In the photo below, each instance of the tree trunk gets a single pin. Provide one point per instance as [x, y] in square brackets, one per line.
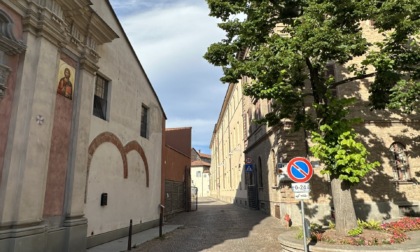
[345, 215]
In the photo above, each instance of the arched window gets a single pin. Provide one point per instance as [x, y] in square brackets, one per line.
[399, 160]
[8, 45]
[274, 163]
[260, 173]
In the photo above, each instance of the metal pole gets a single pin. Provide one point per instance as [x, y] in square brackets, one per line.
[161, 220]
[129, 235]
[305, 246]
[196, 202]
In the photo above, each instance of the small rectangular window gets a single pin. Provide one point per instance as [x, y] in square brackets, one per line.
[144, 118]
[400, 162]
[330, 72]
[100, 100]
[198, 174]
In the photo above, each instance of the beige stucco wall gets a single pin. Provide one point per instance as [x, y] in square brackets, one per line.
[227, 181]
[202, 182]
[128, 198]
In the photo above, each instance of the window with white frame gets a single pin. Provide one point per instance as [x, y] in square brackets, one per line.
[100, 99]
[399, 160]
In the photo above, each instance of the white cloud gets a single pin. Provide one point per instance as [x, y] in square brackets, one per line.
[170, 38]
[177, 35]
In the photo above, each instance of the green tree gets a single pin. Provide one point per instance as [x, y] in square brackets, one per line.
[313, 34]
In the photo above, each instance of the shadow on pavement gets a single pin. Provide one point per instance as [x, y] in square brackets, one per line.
[218, 226]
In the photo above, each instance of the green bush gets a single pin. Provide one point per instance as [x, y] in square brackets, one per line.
[370, 224]
[331, 225]
[397, 230]
[315, 226]
[300, 233]
[355, 231]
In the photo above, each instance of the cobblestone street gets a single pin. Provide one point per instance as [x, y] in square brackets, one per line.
[217, 226]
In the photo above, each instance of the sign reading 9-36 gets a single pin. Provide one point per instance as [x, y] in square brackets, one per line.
[300, 170]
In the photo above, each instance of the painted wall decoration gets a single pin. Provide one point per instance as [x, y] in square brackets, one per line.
[65, 80]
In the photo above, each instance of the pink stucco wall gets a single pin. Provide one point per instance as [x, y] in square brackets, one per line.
[6, 103]
[59, 152]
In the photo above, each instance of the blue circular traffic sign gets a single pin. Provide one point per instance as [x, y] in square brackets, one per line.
[300, 170]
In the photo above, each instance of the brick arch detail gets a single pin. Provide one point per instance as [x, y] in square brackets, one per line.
[108, 137]
[135, 146]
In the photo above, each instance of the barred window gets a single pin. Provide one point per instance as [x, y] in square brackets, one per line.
[144, 119]
[260, 173]
[330, 72]
[100, 100]
[399, 161]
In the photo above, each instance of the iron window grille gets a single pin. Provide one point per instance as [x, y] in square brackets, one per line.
[144, 121]
[399, 161]
[100, 100]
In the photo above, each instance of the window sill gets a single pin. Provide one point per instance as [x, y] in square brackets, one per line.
[404, 182]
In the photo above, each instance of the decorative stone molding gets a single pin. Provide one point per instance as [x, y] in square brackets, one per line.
[88, 65]
[68, 24]
[52, 6]
[8, 43]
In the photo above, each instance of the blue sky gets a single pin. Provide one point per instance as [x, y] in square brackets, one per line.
[170, 38]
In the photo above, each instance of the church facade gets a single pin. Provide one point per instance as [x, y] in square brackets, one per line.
[80, 128]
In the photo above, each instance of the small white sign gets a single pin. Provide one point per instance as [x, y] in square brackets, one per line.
[302, 195]
[301, 187]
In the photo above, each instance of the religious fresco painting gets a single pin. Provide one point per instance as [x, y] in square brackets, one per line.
[65, 80]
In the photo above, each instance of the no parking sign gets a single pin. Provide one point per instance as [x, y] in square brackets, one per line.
[300, 170]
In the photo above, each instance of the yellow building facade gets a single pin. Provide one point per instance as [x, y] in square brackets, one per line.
[390, 191]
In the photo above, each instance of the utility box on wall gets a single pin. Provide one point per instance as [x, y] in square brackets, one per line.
[104, 199]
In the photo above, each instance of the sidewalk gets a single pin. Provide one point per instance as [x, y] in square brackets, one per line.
[137, 239]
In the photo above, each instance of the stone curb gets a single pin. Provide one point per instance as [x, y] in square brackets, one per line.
[289, 243]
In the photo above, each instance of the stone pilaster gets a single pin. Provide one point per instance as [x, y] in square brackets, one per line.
[27, 151]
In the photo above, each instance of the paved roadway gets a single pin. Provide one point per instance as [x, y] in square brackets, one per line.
[217, 226]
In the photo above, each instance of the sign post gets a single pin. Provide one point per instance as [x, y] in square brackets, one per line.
[300, 171]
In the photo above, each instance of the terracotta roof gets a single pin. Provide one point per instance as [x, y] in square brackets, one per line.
[204, 155]
[181, 128]
[199, 163]
[201, 154]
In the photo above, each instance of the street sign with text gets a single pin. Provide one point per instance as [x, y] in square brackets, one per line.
[302, 195]
[301, 187]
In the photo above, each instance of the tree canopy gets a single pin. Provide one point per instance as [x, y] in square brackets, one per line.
[286, 46]
[290, 42]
